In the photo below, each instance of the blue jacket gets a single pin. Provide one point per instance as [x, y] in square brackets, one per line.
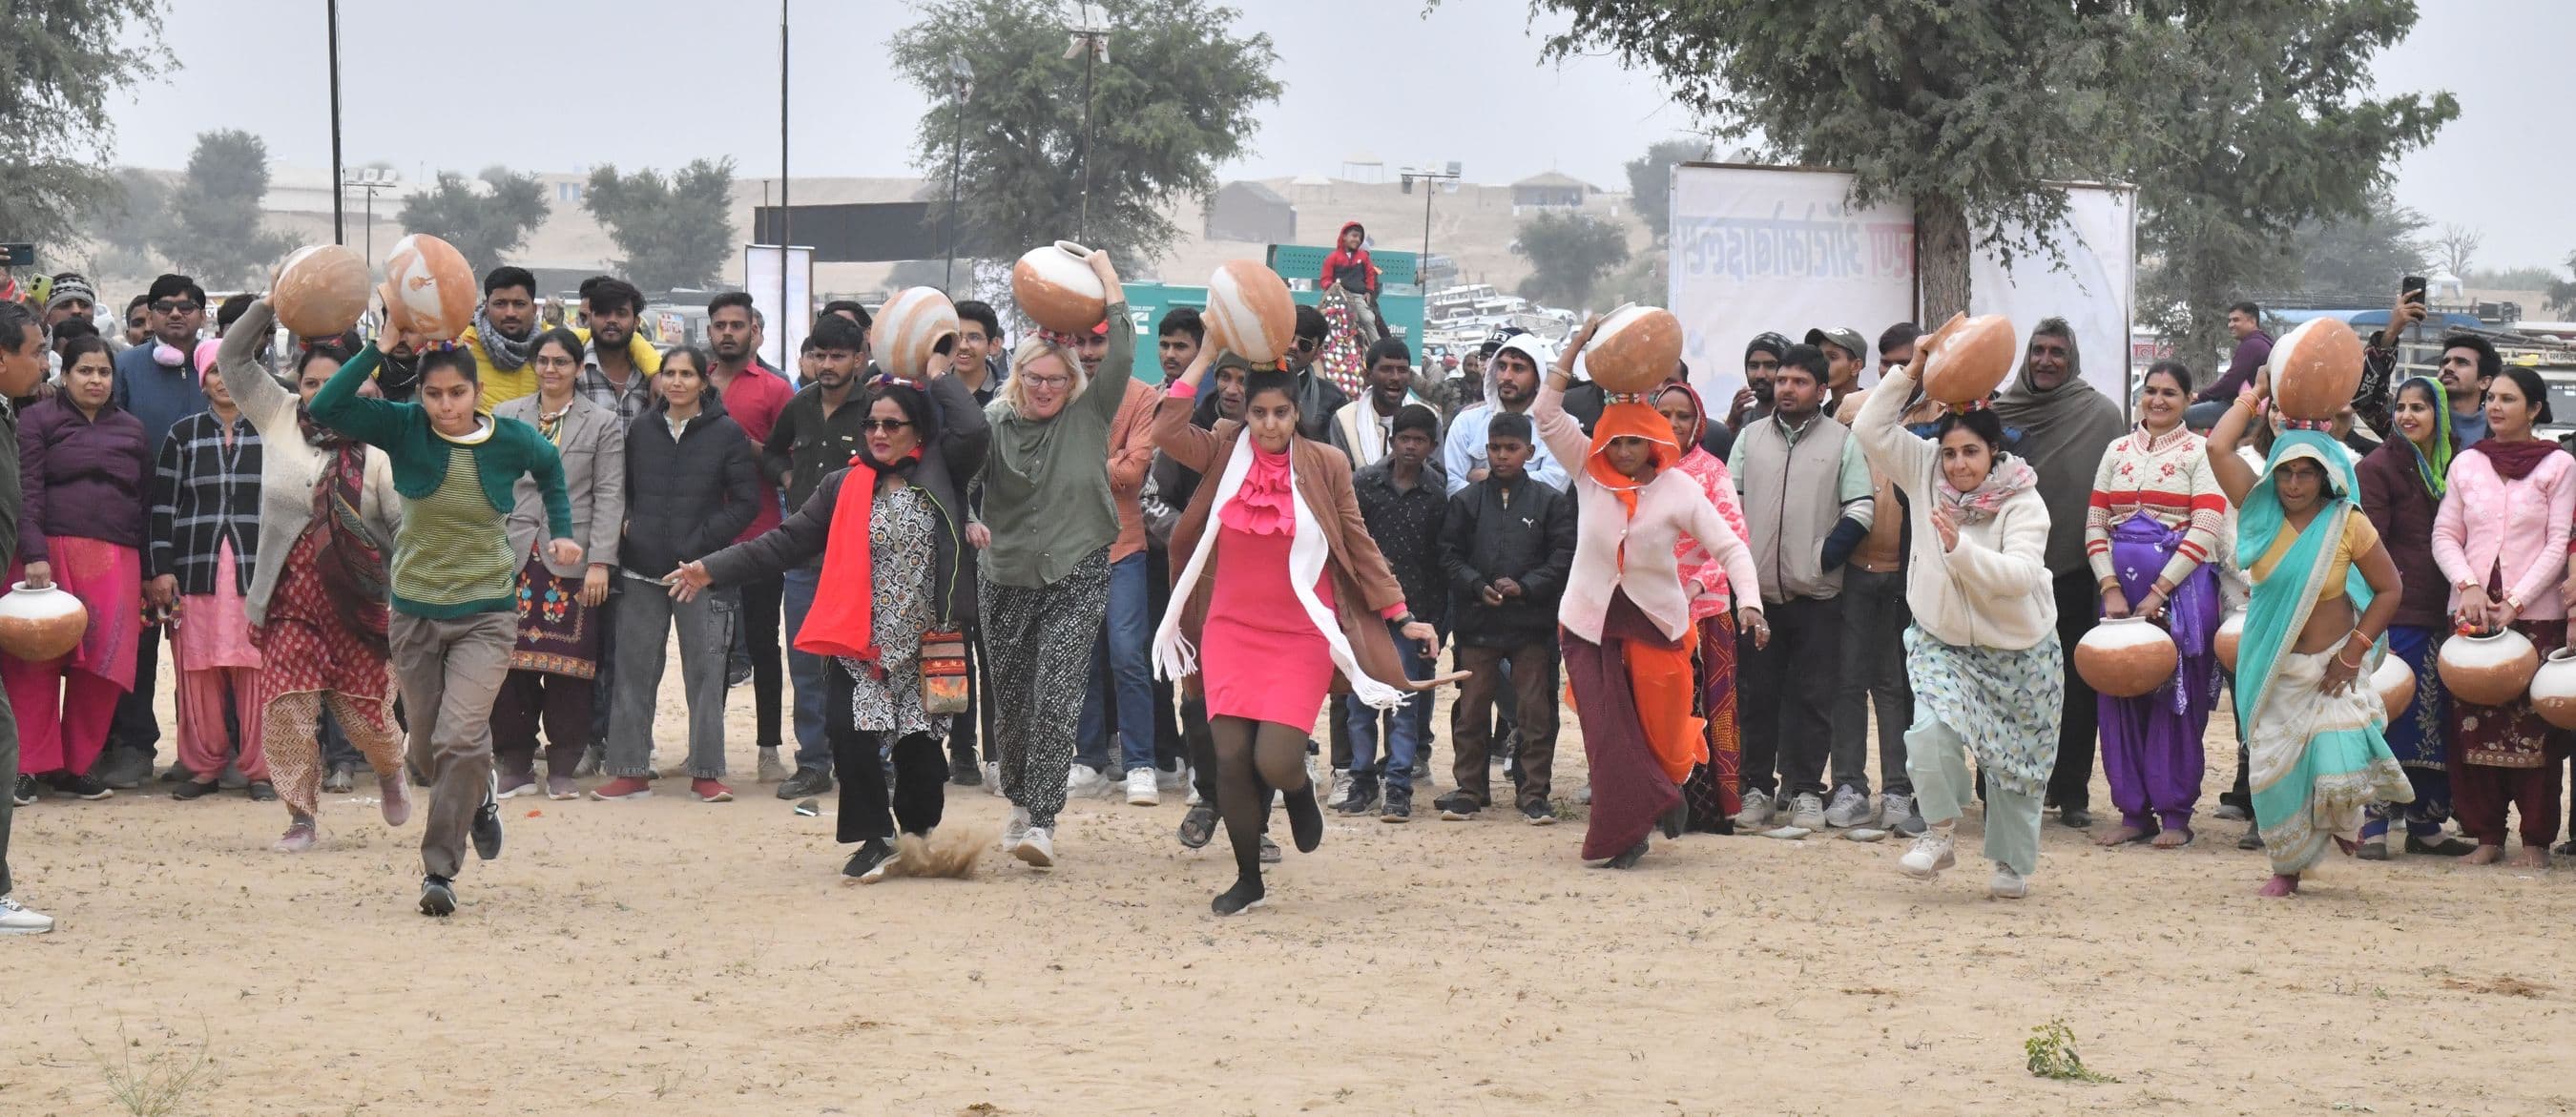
[157, 397]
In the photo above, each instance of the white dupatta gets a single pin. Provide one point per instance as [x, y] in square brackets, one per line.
[1174, 658]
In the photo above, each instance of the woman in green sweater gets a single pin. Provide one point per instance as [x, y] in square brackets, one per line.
[454, 579]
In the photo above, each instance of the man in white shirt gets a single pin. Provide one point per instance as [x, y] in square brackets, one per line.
[1368, 425]
[1511, 384]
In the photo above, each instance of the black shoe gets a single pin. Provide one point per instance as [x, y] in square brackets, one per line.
[1363, 794]
[2566, 848]
[2452, 845]
[190, 791]
[2253, 838]
[2075, 818]
[1305, 820]
[1422, 768]
[1198, 826]
[867, 865]
[1398, 807]
[737, 673]
[486, 830]
[342, 780]
[1246, 895]
[1269, 851]
[262, 791]
[26, 792]
[962, 769]
[1628, 859]
[437, 896]
[1675, 819]
[123, 769]
[1457, 806]
[1539, 814]
[79, 785]
[805, 784]
[177, 773]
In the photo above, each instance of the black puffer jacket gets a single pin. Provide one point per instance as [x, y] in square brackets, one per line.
[1523, 531]
[688, 496]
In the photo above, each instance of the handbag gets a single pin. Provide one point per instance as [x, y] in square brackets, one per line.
[943, 671]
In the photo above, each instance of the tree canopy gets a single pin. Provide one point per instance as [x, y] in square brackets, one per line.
[2359, 260]
[1650, 181]
[1177, 99]
[484, 224]
[1569, 252]
[218, 232]
[676, 230]
[61, 63]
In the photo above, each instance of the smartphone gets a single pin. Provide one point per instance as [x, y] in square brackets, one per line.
[2412, 288]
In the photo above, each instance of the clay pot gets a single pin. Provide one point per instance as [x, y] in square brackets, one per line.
[2315, 369]
[41, 624]
[1057, 289]
[2395, 684]
[914, 331]
[1636, 348]
[430, 291]
[1966, 363]
[2229, 632]
[320, 290]
[2553, 689]
[2488, 670]
[1249, 312]
[2125, 657]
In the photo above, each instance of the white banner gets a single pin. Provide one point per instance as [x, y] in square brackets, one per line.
[1776, 249]
[784, 329]
[1773, 249]
[2092, 284]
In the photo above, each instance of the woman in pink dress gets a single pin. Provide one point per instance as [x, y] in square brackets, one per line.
[1282, 590]
[1712, 796]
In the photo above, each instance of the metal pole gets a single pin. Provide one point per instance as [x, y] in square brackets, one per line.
[786, 313]
[1422, 267]
[1082, 221]
[371, 225]
[956, 158]
[339, 191]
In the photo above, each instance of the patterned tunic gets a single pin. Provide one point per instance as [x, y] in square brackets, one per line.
[888, 701]
[2167, 478]
[2004, 703]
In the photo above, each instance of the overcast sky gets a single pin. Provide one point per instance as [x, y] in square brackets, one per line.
[564, 84]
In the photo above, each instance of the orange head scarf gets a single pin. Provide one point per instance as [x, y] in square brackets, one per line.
[1629, 420]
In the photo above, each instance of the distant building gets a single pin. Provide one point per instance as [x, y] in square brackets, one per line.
[1249, 211]
[1550, 190]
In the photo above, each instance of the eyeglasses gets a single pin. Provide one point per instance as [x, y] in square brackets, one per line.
[174, 306]
[883, 426]
[1049, 382]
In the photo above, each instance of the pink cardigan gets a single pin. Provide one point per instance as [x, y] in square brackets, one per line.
[2523, 524]
[1672, 506]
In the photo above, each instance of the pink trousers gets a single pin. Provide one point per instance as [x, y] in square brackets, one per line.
[63, 714]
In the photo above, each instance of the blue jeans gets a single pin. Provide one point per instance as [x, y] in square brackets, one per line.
[805, 670]
[1124, 659]
[1403, 728]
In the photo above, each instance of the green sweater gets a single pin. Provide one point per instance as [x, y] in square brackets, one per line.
[420, 457]
[1046, 482]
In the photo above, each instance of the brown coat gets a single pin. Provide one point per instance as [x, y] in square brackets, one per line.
[1362, 584]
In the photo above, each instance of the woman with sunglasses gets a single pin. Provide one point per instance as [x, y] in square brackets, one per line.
[691, 466]
[889, 529]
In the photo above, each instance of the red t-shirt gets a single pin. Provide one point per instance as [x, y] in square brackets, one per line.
[754, 399]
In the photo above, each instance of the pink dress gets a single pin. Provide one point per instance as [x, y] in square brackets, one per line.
[1261, 656]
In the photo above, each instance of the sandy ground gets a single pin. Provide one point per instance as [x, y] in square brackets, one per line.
[675, 957]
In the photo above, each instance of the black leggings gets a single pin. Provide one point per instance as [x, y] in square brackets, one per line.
[1254, 758]
[920, 771]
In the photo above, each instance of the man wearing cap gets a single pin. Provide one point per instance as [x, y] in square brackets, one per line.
[1511, 384]
[71, 298]
[1753, 400]
[156, 382]
[1844, 352]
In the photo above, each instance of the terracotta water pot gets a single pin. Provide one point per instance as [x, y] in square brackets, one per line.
[2315, 369]
[2125, 657]
[1249, 312]
[1965, 364]
[2553, 689]
[41, 624]
[910, 330]
[2488, 670]
[1636, 348]
[2229, 632]
[429, 289]
[2395, 684]
[320, 290]
[1055, 286]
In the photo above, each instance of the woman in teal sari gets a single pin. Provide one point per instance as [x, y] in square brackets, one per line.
[2324, 593]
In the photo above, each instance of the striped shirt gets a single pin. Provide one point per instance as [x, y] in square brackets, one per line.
[2167, 477]
[205, 493]
[453, 558]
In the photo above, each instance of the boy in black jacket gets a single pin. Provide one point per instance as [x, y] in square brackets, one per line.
[1507, 546]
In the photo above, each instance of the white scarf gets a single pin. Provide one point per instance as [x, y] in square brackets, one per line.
[1174, 658]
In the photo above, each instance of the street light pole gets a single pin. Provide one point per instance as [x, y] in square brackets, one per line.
[1091, 38]
[965, 75]
[1422, 264]
[787, 314]
[339, 197]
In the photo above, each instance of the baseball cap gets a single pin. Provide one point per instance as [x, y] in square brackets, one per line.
[1848, 340]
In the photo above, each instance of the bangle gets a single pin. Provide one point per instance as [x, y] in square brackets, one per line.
[2353, 664]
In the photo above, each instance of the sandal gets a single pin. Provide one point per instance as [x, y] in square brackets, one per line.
[1198, 827]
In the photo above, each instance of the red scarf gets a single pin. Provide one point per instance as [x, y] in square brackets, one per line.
[2514, 461]
[843, 621]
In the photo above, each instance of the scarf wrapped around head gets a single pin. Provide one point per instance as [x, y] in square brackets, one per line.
[1699, 412]
[2009, 477]
[2434, 468]
[506, 355]
[2279, 607]
[1628, 420]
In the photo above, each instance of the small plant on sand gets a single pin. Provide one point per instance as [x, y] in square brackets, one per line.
[158, 1085]
[2051, 1054]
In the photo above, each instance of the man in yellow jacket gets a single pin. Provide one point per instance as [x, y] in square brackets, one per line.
[501, 335]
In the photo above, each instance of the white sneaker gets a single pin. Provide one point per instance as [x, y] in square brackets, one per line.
[1931, 853]
[1341, 785]
[1893, 809]
[15, 920]
[2007, 884]
[1085, 782]
[993, 780]
[1756, 814]
[1036, 848]
[1850, 809]
[1016, 829]
[1807, 811]
[1141, 789]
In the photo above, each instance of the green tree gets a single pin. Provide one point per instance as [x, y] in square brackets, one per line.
[675, 231]
[62, 62]
[1177, 99]
[2255, 132]
[486, 217]
[144, 218]
[2358, 260]
[2562, 293]
[1569, 252]
[217, 232]
[1650, 181]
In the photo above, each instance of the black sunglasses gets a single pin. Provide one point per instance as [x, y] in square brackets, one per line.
[167, 306]
[888, 426]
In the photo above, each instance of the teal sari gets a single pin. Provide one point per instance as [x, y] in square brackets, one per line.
[2318, 758]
